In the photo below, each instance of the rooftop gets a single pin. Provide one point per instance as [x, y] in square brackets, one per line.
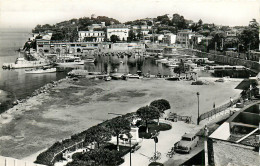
[117, 26]
[242, 127]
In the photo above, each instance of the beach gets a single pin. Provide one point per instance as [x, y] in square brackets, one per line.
[73, 106]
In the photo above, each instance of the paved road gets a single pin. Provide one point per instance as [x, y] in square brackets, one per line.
[180, 158]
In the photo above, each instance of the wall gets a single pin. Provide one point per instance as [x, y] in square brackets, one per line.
[8, 161]
[230, 59]
[229, 153]
[223, 132]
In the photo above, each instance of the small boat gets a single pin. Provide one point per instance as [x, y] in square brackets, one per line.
[40, 70]
[108, 78]
[133, 76]
[173, 79]
[70, 61]
[90, 60]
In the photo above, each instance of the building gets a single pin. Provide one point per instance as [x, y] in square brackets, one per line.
[231, 33]
[196, 39]
[91, 36]
[62, 47]
[97, 26]
[169, 38]
[143, 29]
[44, 35]
[120, 30]
[184, 37]
[236, 141]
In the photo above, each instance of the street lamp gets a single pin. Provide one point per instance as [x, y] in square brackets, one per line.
[198, 120]
[130, 137]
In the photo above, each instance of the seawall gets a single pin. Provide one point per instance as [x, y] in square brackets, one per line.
[227, 58]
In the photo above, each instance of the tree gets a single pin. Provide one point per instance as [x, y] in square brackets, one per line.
[161, 105]
[114, 38]
[179, 22]
[148, 113]
[250, 36]
[118, 126]
[231, 42]
[98, 134]
[218, 37]
[131, 36]
[200, 23]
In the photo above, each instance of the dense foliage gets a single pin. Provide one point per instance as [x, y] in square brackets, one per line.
[97, 157]
[161, 105]
[98, 134]
[68, 30]
[118, 126]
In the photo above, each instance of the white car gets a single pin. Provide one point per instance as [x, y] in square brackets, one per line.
[187, 143]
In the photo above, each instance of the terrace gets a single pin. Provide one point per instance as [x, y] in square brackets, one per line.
[242, 128]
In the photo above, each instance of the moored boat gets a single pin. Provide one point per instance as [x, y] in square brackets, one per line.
[22, 63]
[40, 70]
[70, 62]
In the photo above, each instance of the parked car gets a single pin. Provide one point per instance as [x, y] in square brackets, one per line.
[187, 143]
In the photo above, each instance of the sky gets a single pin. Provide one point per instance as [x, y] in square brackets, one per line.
[29, 13]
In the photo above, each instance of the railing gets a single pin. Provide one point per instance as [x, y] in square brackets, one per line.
[217, 110]
[65, 148]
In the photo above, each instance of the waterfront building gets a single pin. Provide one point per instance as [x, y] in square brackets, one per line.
[91, 36]
[119, 30]
[77, 48]
[62, 47]
[184, 37]
[238, 137]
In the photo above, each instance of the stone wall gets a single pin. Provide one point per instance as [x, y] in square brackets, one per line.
[234, 154]
[226, 58]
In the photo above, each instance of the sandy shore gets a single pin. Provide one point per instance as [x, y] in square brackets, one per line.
[72, 107]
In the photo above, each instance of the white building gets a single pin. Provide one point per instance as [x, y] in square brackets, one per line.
[44, 35]
[91, 36]
[184, 36]
[169, 38]
[121, 31]
[97, 26]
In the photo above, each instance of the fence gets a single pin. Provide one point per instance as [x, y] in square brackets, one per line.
[67, 148]
[217, 110]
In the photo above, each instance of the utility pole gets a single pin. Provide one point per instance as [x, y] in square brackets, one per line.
[198, 120]
[206, 145]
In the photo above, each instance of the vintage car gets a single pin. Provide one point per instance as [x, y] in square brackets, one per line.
[187, 143]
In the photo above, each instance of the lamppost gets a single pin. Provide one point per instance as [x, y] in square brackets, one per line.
[198, 120]
[130, 137]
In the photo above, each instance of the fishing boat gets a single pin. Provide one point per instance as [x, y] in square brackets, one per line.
[40, 70]
[69, 61]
